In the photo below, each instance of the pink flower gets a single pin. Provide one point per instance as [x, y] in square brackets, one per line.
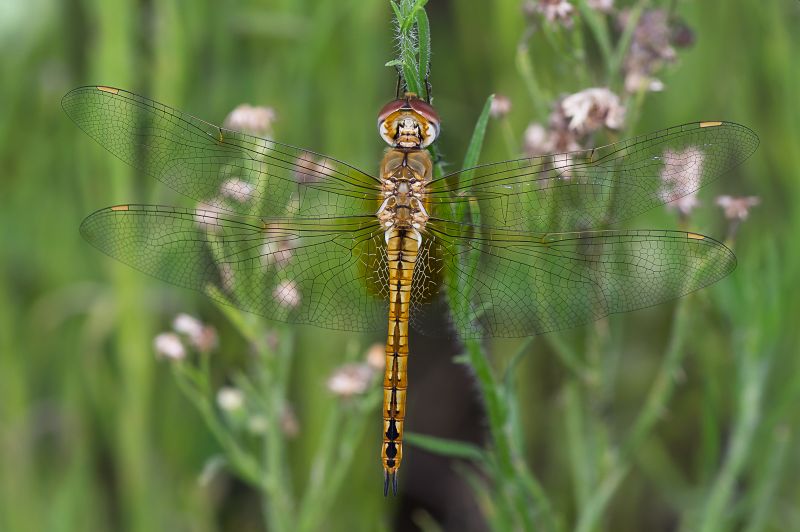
[737, 209]
[287, 294]
[250, 119]
[681, 177]
[591, 109]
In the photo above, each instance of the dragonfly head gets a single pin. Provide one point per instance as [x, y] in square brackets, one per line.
[408, 123]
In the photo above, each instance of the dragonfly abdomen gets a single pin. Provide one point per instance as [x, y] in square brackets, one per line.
[402, 250]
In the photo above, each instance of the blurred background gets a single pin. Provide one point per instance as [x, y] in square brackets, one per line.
[96, 435]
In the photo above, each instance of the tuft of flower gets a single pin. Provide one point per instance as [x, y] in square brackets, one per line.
[652, 46]
[604, 6]
[230, 399]
[168, 345]
[554, 11]
[256, 120]
[287, 294]
[202, 337]
[737, 209]
[680, 178]
[237, 190]
[591, 109]
[350, 380]
[501, 106]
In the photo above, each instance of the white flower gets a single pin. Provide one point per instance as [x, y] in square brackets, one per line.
[376, 357]
[287, 294]
[604, 6]
[591, 109]
[230, 399]
[681, 177]
[553, 10]
[737, 209]
[257, 424]
[350, 379]
[202, 337]
[501, 106]
[188, 325]
[250, 119]
[168, 345]
[237, 190]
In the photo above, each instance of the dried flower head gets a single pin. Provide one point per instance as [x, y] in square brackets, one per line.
[651, 47]
[287, 294]
[737, 208]
[680, 178]
[168, 345]
[251, 119]
[237, 190]
[230, 399]
[591, 109]
[350, 379]
[501, 106]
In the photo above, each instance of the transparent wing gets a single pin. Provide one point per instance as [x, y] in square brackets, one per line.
[593, 188]
[327, 272]
[517, 284]
[222, 169]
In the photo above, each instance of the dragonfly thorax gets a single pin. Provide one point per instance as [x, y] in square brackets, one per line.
[404, 176]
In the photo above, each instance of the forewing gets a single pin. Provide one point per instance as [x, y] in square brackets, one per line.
[514, 284]
[325, 272]
[593, 188]
[218, 167]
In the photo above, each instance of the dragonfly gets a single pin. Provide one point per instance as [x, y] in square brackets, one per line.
[515, 248]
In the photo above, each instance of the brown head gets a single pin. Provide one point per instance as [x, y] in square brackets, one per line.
[408, 123]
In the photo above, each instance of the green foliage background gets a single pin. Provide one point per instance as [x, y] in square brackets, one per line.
[94, 434]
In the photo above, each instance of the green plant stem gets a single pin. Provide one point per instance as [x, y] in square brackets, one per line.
[654, 406]
[753, 376]
[277, 494]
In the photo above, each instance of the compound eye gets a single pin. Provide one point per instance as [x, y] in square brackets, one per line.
[389, 108]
